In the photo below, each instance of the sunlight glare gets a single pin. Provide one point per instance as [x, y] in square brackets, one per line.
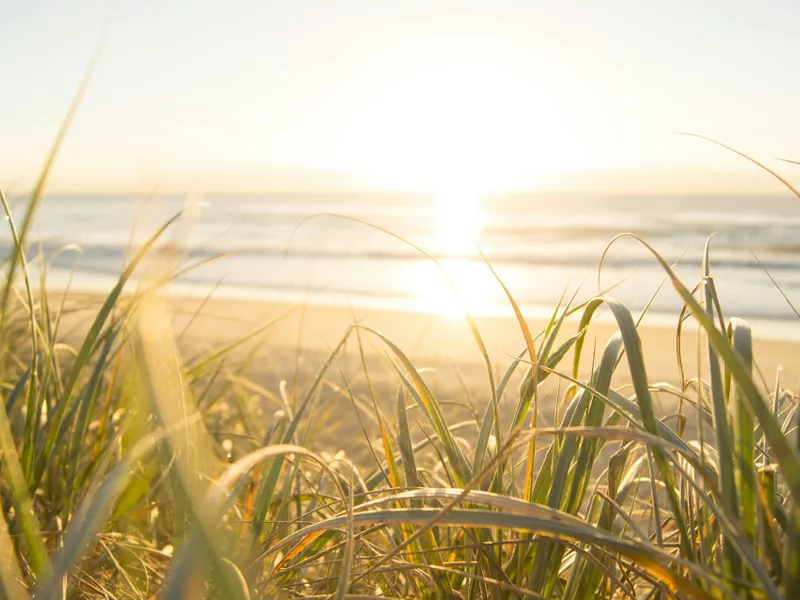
[466, 115]
[460, 222]
[469, 277]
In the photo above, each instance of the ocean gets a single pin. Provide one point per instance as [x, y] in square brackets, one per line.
[287, 247]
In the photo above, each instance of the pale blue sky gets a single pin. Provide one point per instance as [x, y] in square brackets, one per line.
[420, 94]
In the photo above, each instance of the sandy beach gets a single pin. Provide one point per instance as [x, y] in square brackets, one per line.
[438, 344]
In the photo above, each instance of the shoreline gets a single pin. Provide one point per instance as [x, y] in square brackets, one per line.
[784, 328]
[432, 340]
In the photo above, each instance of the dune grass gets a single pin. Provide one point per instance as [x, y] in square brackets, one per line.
[113, 484]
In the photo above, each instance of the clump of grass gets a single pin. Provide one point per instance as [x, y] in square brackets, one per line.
[115, 484]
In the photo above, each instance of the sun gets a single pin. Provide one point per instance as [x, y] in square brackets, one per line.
[459, 223]
[470, 280]
[460, 118]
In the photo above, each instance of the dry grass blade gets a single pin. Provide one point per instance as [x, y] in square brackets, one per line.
[58, 429]
[473, 326]
[432, 410]
[183, 488]
[91, 515]
[534, 378]
[11, 586]
[745, 156]
[270, 478]
[777, 286]
[440, 514]
[652, 560]
[349, 551]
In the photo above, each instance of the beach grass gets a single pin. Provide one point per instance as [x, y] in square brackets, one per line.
[131, 471]
[116, 480]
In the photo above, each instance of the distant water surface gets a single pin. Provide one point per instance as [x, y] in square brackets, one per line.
[541, 245]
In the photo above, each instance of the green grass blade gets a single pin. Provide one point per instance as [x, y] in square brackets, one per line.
[784, 453]
[21, 500]
[404, 443]
[487, 423]
[268, 487]
[791, 563]
[11, 582]
[722, 426]
[58, 429]
[532, 356]
[433, 411]
[741, 337]
[473, 326]
[91, 516]
[638, 372]
[84, 409]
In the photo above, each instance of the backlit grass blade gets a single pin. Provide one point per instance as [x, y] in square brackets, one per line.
[393, 469]
[572, 463]
[487, 423]
[790, 579]
[32, 408]
[27, 525]
[545, 478]
[532, 356]
[91, 517]
[528, 388]
[378, 474]
[582, 471]
[557, 320]
[783, 452]
[347, 552]
[11, 586]
[789, 303]
[788, 185]
[741, 337]
[58, 429]
[84, 411]
[270, 478]
[432, 409]
[722, 425]
[655, 562]
[404, 443]
[197, 368]
[473, 326]
[209, 512]
[638, 372]
[769, 546]
[428, 542]
[16, 391]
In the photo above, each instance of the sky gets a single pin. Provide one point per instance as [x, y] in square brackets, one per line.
[431, 95]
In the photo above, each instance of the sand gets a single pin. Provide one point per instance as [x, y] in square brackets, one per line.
[430, 340]
[292, 342]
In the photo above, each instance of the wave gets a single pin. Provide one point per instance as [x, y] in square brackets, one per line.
[111, 256]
